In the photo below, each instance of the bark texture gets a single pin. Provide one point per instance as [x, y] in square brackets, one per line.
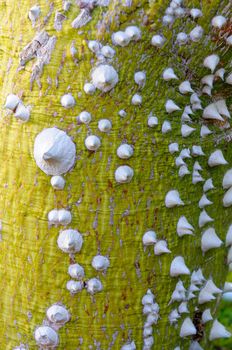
[112, 217]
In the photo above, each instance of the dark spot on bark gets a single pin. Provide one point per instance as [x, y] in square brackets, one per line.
[197, 321]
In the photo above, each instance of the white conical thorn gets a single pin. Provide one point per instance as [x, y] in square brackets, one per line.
[229, 79]
[207, 90]
[12, 101]
[149, 238]
[173, 147]
[196, 33]
[211, 112]
[211, 287]
[205, 297]
[229, 236]
[229, 40]
[166, 127]
[218, 331]
[178, 267]
[195, 346]
[194, 99]
[196, 177]
[208, 185]
[185, 118]
[172, 199]
[210, 240]
[182, 38]
[205, 131]
[179, 162]
[185, 87]
[187, 328]
[204, 201]
[186, 130]
[184, 227]
[222, 108]
[206, 316]
[204, 219]
[229, 256]
[152, 121]
[168, 74]
[218, 21]
[185, 153]
[197, 151]
[220, 73]
[183, 170]
[193, 288]
[216, 158]
[158, 41]
[211, 62]
[22, 112]
[171, 106]
[208, 80]
[197, 166]
[161, 247]
[227, 287]
[227, 179]
[197, 277]
[196, 13]
[183, 308]
[227, 199]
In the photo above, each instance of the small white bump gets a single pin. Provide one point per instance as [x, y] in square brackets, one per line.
[94, 285]
[89, 88]
[76, 271]
[182, 38]
[46, 336]
[124, 174]
[120, 38]
[218, 21]
[140, 78]
[133, 32]
[158, 40]
[152, 121]
[195, 13]
[92, 143]
[107, 51]
[12, 102]
[136, 100]
[100, 263]
[104, 77]
[70, 241]
[94, 46]
[74, 286]
[125, 151]
[58, 182]
[58, 314]
[196, 34]
[68, 101]
[104, 125]
[84, 117]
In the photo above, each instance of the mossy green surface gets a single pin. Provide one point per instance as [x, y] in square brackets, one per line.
[111, 217]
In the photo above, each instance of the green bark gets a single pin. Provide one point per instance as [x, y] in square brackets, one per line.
[112, 217]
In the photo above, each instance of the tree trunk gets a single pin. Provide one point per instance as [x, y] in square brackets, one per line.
[111, 216]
